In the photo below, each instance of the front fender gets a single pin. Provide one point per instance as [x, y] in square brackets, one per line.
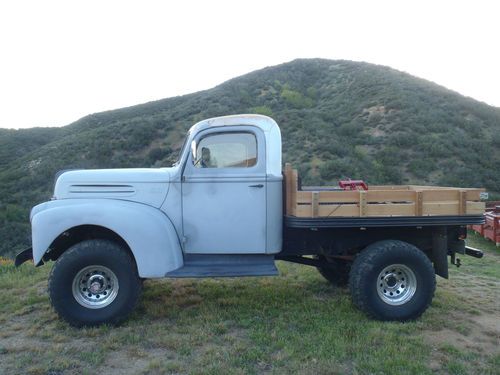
[147, 231]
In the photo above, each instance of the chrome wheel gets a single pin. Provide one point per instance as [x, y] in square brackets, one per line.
[396, 284]
[95, 287]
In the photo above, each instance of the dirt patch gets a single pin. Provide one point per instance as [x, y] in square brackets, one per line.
[481, 292]
[491, 325]
[476, 335]
[130, 362]
[481, 339]
[380, 109]
[377, 132]
[470, 335]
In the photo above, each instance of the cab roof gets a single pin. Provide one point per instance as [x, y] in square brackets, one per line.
[263, 122]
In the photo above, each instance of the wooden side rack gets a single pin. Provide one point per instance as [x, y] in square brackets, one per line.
[391, 200]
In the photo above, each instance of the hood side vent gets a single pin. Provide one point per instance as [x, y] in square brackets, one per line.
[102, 189]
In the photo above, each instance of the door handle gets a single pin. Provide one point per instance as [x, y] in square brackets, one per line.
[257, 186]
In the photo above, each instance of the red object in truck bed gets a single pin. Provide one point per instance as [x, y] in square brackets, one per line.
[353, 184]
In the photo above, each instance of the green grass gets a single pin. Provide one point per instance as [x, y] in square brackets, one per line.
[294, 323]
[487, 266]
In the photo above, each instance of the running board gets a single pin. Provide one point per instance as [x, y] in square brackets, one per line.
[225, 265]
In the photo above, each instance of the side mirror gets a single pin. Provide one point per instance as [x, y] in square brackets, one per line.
[193, 154]
[193, 150]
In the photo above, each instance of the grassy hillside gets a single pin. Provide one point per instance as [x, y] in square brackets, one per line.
[338, 119]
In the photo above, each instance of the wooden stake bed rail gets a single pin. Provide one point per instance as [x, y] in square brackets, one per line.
[402, 200]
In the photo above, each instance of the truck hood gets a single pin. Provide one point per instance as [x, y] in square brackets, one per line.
[148, 186]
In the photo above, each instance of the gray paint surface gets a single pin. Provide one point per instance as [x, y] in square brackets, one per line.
[146, 230]
[274, 214]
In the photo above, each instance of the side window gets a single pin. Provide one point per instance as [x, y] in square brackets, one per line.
[226, 150]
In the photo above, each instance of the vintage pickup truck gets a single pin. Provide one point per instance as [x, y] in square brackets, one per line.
[227, 208]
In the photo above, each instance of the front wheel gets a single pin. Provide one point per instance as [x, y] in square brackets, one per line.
[94, 282]
[392, 280]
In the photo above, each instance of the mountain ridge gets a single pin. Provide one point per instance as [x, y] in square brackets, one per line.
[338, 119]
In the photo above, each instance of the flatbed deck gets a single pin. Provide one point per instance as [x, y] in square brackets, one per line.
[379, 203]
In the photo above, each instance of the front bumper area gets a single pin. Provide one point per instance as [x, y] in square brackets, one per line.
[24, 256]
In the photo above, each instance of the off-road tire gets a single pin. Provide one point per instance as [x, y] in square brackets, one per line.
[366, 270]
[337, 272]
[90, 253]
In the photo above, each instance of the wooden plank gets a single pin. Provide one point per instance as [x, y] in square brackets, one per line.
[440, 208]
[475, 208]
[426, 187]
[303, 210]
[393, 209]
[339, 196]
[419, 199]
[304, 197]
[329, 197]
[330, 210]
[388, 187]
[293, 192]
[315, 205]
[333, 210]
[291, 186]
[441, 195]
[390, 196]
[473, 194]
[288, 188]
[462, 203]
[362, 203]
[353, 196]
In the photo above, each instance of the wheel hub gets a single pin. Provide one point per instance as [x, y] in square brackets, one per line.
[391, 281]
[396, 284]
[96, 284]
[95, 287]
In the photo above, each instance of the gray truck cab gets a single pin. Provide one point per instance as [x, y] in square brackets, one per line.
[223, 196]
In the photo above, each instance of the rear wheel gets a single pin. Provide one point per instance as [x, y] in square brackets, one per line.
[336, 271]
[392, 280]
[94, 282]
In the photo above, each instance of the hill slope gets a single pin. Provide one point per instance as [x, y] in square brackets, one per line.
[338, 118]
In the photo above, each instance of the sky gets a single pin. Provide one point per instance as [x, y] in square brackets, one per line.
[62, 60]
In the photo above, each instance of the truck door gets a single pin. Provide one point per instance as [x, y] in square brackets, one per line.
[224, 192]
